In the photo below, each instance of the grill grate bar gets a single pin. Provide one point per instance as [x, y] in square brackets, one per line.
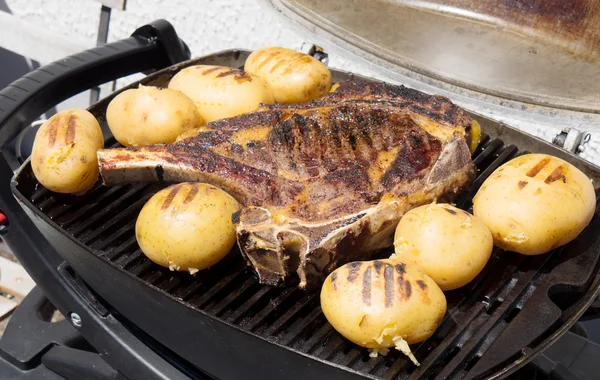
[465, 200]
[129, 244]
[96, 219]
[523, 281]
[201, 300]
[333, 347]
[245, 309]
[494, 284]
[487, 151]
[126, 261]
[94, 206]
[350, 357]
[105, 228]
[290, 314]
[63, 203]
[259, 319]
[313, 319]
[222, 306]
[122, 234]
[142, 268]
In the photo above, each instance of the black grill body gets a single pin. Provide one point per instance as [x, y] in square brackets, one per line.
[225, 323]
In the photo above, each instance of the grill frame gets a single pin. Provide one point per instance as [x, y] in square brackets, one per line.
[153, 298]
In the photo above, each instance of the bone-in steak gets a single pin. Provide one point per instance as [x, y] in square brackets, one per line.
[323, 183]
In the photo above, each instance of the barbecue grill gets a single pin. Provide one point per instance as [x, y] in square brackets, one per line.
[127, 317]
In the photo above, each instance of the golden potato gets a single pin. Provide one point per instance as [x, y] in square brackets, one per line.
[221, 92]
[187, 226]
[63, 156]
[293, 77]
[149, 115]
[383, 303]
[535, 203]
[449, 244]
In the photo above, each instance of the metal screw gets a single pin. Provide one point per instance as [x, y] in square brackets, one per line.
[75, 319]
[585, 139]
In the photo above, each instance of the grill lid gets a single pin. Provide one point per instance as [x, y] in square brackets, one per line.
[537, 58]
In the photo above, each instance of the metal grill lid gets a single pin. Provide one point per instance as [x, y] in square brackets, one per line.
[533, 56]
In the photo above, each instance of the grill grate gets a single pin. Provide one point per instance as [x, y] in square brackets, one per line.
[104, 220]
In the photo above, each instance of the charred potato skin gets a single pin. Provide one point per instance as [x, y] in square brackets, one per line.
[187, 226]
[449, 244]
[371, 303]
[221, 92]
[292, 76]
[535, 203]
[149, 115]
[63, 157]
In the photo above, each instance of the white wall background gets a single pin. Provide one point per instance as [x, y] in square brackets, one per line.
[206, 26]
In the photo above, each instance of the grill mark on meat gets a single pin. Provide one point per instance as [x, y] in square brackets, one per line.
[422, 284]
[160, 173]
[558, 173]
[170, 197]
[190, 195]
[522, 184]
[52, 130]
[538, 167]
[366, 290]
[71, 129]
[237, 149]
[388, 275]
[353, 272]
[450, 211]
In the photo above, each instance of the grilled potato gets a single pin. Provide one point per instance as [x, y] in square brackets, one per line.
[293, 77]
[383, 303]
[220, 92]
[187, 226]
[449, 244]
[63, 156]
[535, 203]
[149, 115]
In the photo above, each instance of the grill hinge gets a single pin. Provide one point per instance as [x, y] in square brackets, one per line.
[572, 140]
[316, 52]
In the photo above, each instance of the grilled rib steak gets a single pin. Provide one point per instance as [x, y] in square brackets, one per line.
[323, 183]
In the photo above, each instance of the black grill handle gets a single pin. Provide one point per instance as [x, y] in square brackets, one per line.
[151, 47]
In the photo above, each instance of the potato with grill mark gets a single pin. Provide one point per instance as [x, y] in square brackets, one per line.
[63, 156]
[449, 244]
[221, 92]
[381, 304]
[535, 203]
[150, 115]
[292, 76]
[187, 227]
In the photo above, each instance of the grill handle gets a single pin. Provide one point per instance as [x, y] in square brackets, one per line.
[152, 46]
